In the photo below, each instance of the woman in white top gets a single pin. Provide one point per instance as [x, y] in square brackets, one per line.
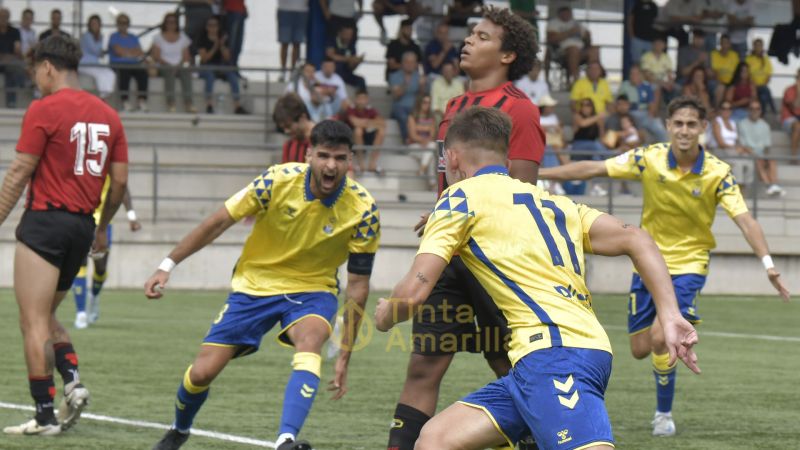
[171, 52]
[92, 47]
[724, 140]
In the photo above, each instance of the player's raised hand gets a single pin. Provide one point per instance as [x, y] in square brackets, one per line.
[775, 279]
[419, 228]
[154, 286]
[680, 336]
[338, 385]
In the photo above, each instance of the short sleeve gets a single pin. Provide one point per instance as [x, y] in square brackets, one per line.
[364, 242]
[729, 196]
[627, 166]
[35, 130]
[253, 199]
[588, 217]
[527, 137]
[449, 225]
[395, 78]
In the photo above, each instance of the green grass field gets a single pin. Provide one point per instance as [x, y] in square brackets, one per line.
[133, 359]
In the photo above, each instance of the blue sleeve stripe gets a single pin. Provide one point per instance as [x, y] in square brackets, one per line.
[555, 334]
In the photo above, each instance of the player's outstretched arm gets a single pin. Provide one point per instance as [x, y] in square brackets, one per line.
[118, 175]
[754, 235]
[410, 292]
[204, 234]
[581, 170]
[17, 177]
[357, 294]
[610, 236]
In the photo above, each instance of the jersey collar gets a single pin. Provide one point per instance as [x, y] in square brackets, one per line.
[697, 169]
[328, 201]
[497, 170]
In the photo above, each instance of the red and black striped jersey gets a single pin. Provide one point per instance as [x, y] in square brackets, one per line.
[295, 151]
[527, 137]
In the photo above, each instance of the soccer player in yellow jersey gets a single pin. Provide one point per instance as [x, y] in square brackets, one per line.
[310, 218]
[683, 185]
[534, 272]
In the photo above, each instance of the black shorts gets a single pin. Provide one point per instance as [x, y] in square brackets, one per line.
[446, 323]
[62, 238]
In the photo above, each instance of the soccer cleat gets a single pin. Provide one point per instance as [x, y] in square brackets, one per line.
[172, 440]
[81, 320]
[76, 397]
[528, 443]
[32, 428]
[663, 425]
[94, 308]
[289, 444]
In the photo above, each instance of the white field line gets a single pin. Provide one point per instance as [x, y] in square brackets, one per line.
[701, 333]
[157, 426]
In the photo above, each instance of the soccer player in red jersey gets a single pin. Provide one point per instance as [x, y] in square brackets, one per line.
[501, 48]
[292, 117]
[70, 141]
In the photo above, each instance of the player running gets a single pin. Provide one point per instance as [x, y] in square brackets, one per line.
[502, 48]
[534, 271]
[70, 141]
[683, 185]
[309, 218]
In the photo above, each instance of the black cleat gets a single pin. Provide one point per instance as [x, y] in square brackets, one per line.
[292, 445]
[172, 440]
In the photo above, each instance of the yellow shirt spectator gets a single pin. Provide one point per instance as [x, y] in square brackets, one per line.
[599, 92]
[724, 65]
[660, 66]
[760, 69]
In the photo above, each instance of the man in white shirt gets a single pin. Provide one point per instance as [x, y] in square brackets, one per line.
[570, 40]
[331, 85]
[741, 16]
[533, 85]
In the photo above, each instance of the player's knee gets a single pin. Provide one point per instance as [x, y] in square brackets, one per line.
[200, 375]
[640, 352]
[427, 371]
[431, 438]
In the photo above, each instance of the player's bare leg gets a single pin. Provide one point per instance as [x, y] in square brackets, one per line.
[641, 344]
[98, 278]
[663, 425]
[308, 335]
[459, 427]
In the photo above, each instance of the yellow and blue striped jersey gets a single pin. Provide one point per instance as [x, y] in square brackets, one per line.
[298, 242]
[526, 247]
[679, 208]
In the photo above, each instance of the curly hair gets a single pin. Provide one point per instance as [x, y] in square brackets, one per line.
[289, 108]
[519, 37]
[61, 51]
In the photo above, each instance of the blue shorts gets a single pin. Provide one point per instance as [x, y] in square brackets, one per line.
[292, 26]
[556, 393]
[642, 310]
[245, 319]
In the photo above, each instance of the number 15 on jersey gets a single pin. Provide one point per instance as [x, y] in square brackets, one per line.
[95, 146]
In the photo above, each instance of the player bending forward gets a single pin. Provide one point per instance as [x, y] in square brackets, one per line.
[309, 218]
[534, 271]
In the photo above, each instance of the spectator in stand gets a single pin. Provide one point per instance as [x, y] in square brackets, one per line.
[444, 88]
[554, 137]
[741, 16]
[342, 50]
[593, 86]
[713, 15]
[724, 142]
[369, 128]
[625, 133]
[55, 26]
[439, 50]
[458, 15]
[197, 13]
[533, 85]
[341, 13]
[677, 13]
[589, 126]
[27, 33]
[790, 116]
[658, 69]
[291, 117]
[400, 46]
[755, 137]
[697, 86]
[644, 103]
[332, 86]
[640, 28]
[213, 50]
[312, 94]
[431, 15]
[406, 85]
[11, 62]
[761, 72]
[125, 50]
[693, 56]
[171, 52]
[92, 47]
[292, 23]
[235, 16]
[525, 9]
[723, 66]
[741, 92]
[422, 127]
[571, 42]
[381, 8]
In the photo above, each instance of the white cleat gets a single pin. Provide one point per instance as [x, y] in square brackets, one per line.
[81, 320]
[32, 428]
[663, 425]
[76, 397]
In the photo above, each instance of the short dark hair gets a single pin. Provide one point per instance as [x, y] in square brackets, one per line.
[406, 23]
[27, 11]
[170, 15]
[480, 128]
[56, 11]
[332, 133]
[623, 97]
[686, 101]
[289, 108]
[698, 32]
[519, 36]
[361, 92]
[61, 51]
[93, 17]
